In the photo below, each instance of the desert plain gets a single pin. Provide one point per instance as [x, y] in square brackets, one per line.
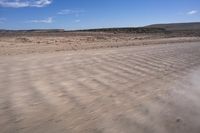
[142, 80]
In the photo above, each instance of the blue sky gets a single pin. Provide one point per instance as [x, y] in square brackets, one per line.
[83, 14]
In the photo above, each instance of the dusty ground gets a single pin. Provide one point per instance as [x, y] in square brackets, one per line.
[28, 43]
[141, 89]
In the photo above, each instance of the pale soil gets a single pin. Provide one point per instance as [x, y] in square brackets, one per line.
[141, 89]
[27, 44]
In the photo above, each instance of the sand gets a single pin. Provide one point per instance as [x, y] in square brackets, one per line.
[50, 88]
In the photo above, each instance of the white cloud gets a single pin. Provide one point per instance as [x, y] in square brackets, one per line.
[70, 12]
[48, 20]
[192, 12]
[24, 3]
[77, 20]
[41, 3]
[2, 20]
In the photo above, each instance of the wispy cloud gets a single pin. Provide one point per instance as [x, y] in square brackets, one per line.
[77, 20]
[2, 20]
[24, 3]
[48, 20]
[192, 12]
[70, 12]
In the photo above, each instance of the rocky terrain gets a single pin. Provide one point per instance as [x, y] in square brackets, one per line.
[44, 41]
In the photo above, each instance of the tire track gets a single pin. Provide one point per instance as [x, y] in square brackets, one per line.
[108, 91]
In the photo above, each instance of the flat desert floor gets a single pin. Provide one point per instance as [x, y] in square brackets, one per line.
[135, 89]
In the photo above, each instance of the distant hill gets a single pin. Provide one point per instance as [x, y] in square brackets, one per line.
[128, 30]
[34, 30]
[171, 29]
[177, 26]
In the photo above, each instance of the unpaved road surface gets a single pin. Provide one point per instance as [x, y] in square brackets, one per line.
[142, 89]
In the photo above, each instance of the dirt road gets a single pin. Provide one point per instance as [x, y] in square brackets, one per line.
[142, 89]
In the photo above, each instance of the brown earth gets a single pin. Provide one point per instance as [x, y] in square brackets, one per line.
[141, 89]
[15, 43]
